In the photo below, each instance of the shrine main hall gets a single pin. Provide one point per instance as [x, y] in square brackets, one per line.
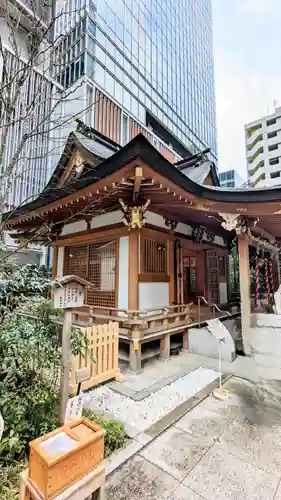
[153, 238]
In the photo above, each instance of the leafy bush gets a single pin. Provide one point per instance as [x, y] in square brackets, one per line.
[115, 434]
[9, 480]
[30, 352]
[18, 284]
[30, 355]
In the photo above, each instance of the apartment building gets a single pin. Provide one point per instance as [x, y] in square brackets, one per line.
[263, 150]
[140, 66]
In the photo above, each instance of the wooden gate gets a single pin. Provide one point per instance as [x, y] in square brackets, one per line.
[101, 356]
[212, 277]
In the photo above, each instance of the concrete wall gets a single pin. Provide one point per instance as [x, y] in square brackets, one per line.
[123, 272]
[74, 227]
[60, 261]
[202, 342]
[153, 295]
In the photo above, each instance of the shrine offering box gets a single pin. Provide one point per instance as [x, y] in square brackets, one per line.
[63, 456]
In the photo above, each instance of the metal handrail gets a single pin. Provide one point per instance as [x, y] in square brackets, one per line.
[215, 307]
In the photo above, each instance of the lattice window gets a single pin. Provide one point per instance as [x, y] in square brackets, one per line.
[95, 262]
[155, 257]
[76, 261]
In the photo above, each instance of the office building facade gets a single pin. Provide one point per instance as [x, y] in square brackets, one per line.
[147, 67]
[31, 110]
[230, 179]
[263, 150]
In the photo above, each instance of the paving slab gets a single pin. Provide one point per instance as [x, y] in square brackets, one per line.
[228, 408]
[254, 443]
[139, 480]
[204, 423]
[222, 476]
[175, 452]
[278, 492]
[184, 493]
[120, 456]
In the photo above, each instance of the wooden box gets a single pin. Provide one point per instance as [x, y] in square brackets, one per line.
[60, 458]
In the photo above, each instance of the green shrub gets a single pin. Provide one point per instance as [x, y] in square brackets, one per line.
[30, 352]
[9, 480]
[115, 434]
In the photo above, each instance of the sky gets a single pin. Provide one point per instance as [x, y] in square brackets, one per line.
[247, 52]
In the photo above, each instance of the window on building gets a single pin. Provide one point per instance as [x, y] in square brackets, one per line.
[125, 129]
[271, 122]
[154, 256]
[90, 100]
[274, 175]
[96, 263]
[274, 161]
[273, 147]
[271, 135]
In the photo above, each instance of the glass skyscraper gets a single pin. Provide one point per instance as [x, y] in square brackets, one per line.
[153, 58]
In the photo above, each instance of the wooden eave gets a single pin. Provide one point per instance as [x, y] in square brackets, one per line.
[172, 195]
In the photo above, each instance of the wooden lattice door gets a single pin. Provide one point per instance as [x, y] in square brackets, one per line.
[212, 276]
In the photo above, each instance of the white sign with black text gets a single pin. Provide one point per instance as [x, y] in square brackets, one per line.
[74, 408]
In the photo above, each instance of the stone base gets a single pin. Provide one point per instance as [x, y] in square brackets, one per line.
[202, 342]
[265, 346]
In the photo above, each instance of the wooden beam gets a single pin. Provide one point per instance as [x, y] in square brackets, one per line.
[244, 274]
[133, 299]
[138, 181]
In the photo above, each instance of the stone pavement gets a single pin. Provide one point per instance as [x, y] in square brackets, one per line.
[217, 451]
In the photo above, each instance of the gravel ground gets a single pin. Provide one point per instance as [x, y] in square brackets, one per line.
[142, 414]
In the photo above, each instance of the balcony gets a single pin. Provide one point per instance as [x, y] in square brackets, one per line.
[254, 146]
[253, 133]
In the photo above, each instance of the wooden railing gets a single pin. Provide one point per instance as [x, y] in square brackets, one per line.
[140, 322]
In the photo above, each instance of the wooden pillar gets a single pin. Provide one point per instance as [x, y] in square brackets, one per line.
[200, 273]
[135, 357]
[171, 272]
[185, 340]
[133, 299]
[245, 299]
[55, 263]
[165, 347]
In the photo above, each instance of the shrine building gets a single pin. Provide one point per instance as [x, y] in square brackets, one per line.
[152, 237]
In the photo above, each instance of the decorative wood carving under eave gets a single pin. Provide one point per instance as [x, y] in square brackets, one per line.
[230, 221]
[56, 231]
[171, 224]
[134, 216]
[198, 234]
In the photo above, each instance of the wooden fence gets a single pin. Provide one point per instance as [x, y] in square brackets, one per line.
[101, 356]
